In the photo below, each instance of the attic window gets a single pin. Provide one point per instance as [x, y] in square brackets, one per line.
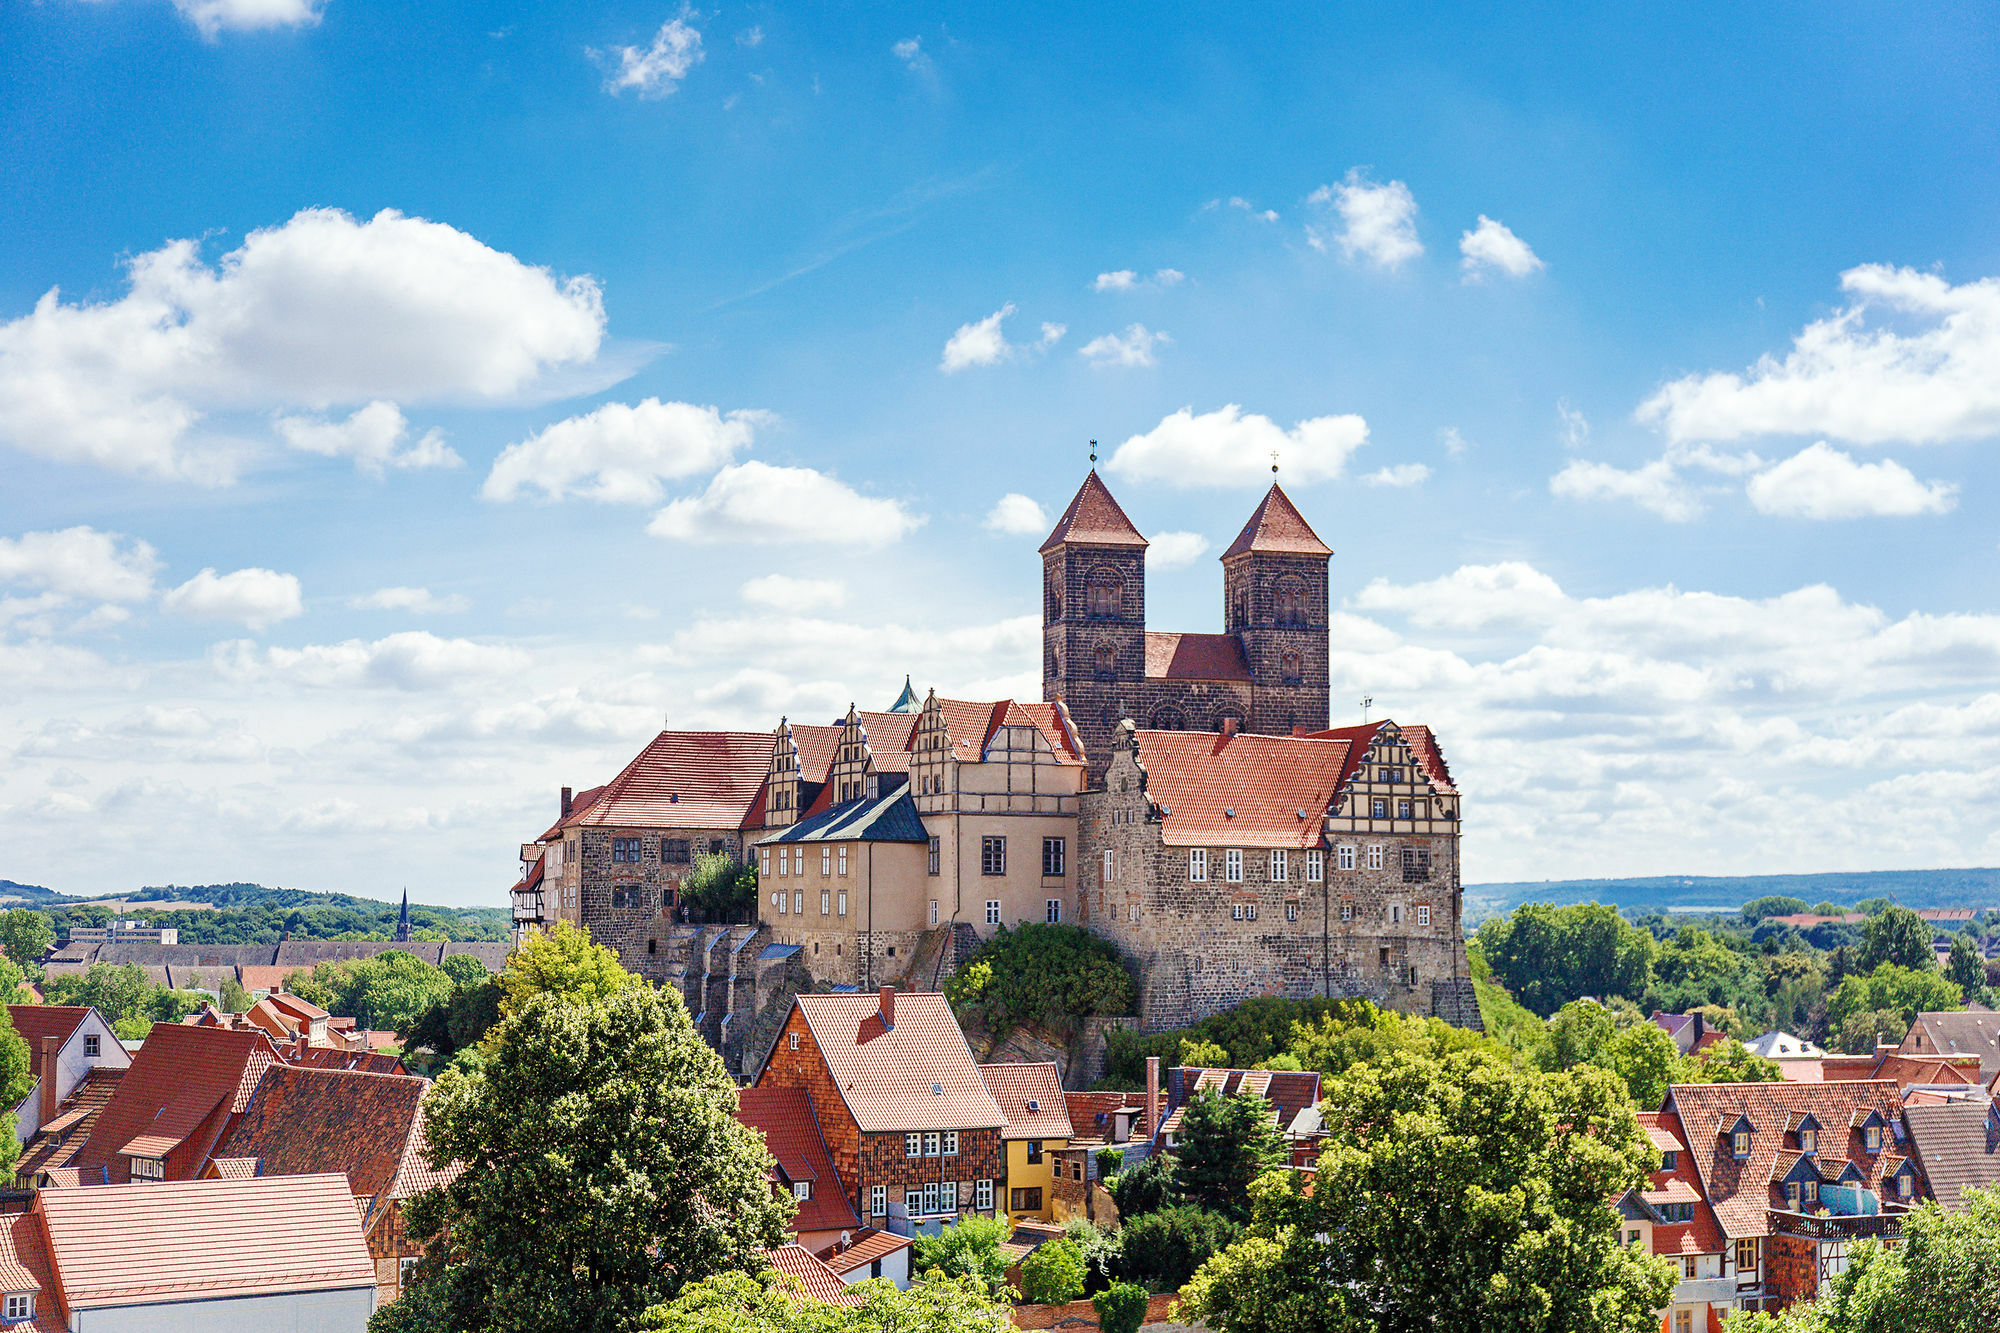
[937, 1089]
[1034, 1105]
[1739, 1143]
[20, 1306]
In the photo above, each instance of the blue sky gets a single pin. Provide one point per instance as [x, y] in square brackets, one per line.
[405, 407]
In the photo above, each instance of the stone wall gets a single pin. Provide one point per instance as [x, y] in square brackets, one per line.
[630, 907]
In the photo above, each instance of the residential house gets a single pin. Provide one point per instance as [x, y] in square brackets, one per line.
[914, 1135]
[1691, 1032]
[1287, 1092]
[1957, 1145]
[184, 1090]
[1098, 1120]
[49, 1155]
[1921, 1078]
[302, 1121]
[811, 1277]
[217, 1256]
[1038, 1128]
[65, 1043]
[1974, 1033]
[1796, 1057]
[871, 1254]
[785, 1117]
[1669, 1217]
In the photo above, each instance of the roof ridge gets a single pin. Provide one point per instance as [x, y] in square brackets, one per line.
[1094, 518]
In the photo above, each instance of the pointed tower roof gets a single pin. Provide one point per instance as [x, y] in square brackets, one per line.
[1093, 519]
[907, 701]
[1277, 528]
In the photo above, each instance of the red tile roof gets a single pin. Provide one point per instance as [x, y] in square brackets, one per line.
[1090, 1113]
[1905, 1070]
[35, 1021]
[888, 741]
[1197, 778]
[791, 1131]
[683, 779]
[814, 1278]
[58, 1142]
[971, 725]
[869, 1245]
[918, 1075]
[180, 1076]
[1093, 519]
[1278, 528]
[1702, 1234]
[1171, 656]
[1054, 721]
[1431, 759]
[122, 1245]
[1288, 1091]
[25, 1267]
[1031, 1097]
[303, 1122]
[367, 1062]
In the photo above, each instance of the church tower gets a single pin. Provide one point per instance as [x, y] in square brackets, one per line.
[1275, 601]
[403, 921]
[1094, 615]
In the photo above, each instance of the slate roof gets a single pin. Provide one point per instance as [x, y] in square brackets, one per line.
[890, 817]
[179, 1077]
[24, 1266]
[1031, 1097]
[1277, 528]
[493, 953]
[918, 1075]
[1198, 778]
[1171, 656]
[59, 1140]
[123, 1245]
[1955, 1145]
[682, 779]
[303, 1121]
[1093, 519]
[35, 1021]
[785, 1117]
[815, 1278]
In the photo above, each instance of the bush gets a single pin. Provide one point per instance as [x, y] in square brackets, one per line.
[1248, 1035]
[1143, 1187]
[1163, 1249]
[1121, 1308]
[1043, 974]
[1110, 1161]
[1099, 1249]
[720, 885]
[969, 1249]
[1053, 1274]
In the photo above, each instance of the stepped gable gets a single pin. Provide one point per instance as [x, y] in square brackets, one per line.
[972, 724]
[791, 1130]
[888, 742]
[1213, 789]
[175, 1100]
[1093, 519]
[1278, 528]
[1172, 656]
[683, 779]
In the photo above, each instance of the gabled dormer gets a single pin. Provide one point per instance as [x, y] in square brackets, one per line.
[1804, 1128]
[1736, 1132]
[1871, 1125]
[1901, 1182]
[782, 802]
[1797, 1177]
[853, 776]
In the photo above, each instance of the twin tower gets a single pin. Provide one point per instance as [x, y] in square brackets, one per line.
[1266, 672]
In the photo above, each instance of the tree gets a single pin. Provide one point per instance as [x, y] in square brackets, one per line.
[1040, 973]
[234, 998]
[1162, 1250]
[12, 982]
[17, 1077]
[1861, 1032]
[445, 1032]
[734, 1303]
[604, 1170]
[720, 885]
[1730, 1061]
[25, 935]
[1226, 1142]
[1143, 1186]
[1899, 936]
[967, 1251]
[1406, 1228]
[1546, 956]
[1903, 990]
[1579, 1033]
[1121, 1308]
[1053, 1274]
[1695, 968]
[1645, 1058]
[389, 991]
[464, 969]
[1099, 1247]
[1198, 1054]
[561, 962]
[1965, 969]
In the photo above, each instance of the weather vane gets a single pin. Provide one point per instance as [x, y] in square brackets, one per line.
[1274, 462]
[1093, 453]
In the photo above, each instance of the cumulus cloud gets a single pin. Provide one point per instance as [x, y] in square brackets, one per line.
[412, 660]
[373, 437]
[1018, 516]
[980, 343]
[760, 504]
[1399, 474]
[1125, 280]
[80, 562]
[1134, 348]
[1492, 247]
[655, 70]
[782, 592]
[256, 597]
[214, 16]
[1822, 482]
[1228, 448]
[417, 601]
[1853, 377]
[621, 453]
[1378, 222]
[323, 310]
[1454, 443]
[911, 52]
[1656, 486]
[1175, 550]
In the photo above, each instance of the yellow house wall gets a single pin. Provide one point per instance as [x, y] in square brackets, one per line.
[1020, 1175]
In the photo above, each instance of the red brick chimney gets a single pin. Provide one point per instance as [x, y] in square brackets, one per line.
[1230, 726]
[566, 798]
[48, 1076]
[888, 1005]
[1152, 1096]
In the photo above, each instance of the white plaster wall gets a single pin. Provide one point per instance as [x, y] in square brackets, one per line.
[298, 1312]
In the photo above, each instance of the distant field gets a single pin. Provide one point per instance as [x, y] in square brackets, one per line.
[1977, 888]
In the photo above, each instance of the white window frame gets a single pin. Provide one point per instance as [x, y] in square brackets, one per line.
[784, 863]
[992, 911]
[913, 1202]
[1281, 866]
[767, 862]
[933, 1200]
[799, 902]
[1198, 865]
[948, 1196]
[1347, 909]
[792, 1041]
[840, 901]
[840, 861]
[1374, 856]
[826, 860]
[932, 1143]
[1291, 911]
[1110, 870]
[802, 1190]
[934, 903]
[913, 1145]
[1236, 911]
[20, 1306]
[92, 1046]
[1232, 866]
[1315, 866]
[1052, 911]
[155, 1169]
[1346, 860]
[825, 902]
[982, 1196]
[1423, 914]
[951, 1143]
[878, 1200]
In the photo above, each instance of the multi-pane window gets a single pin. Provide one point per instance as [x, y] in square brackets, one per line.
[951, 1143]
[936, 856]
[1052, 911]
[992, 911]
[992, 856]
[148, 1168]
[1236, 911]
[934, 903]
[878, 1200]
[982, 1196]
[802, 1189]
[1403, 809]
[1346, 854]
[1739, 1143]
[1375, 856]
[932, 1142]
[783, 902]
[1808, 1140]
[913, 1145]
[1025, 1200]
[675, 851]
[948, 1197]
[1378, 808]
[799, 902]
[20, 1306]
[91, 1048]
[1746, 1254]
[826, 860]
[840, 901]
[767, 862]
[1110, 865]
[1054, 856]
[1198, 864]
[840, 861]
[1423, 916]
[913, 1202]
[1871, 1137]
[933, 1199]
[1280, 866]
[1347, 910]
[1291, 911]
[1232, 866]
[626, 850]
[1315, 866]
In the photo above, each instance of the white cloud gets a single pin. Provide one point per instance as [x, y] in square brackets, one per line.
[370, 437]
[411, 660]
[980, 343]
[911, 52]
[1125, 280]
[1175, 550]
[1655, 486]
[1491, 246]
[1168, 277]
[1575, 425]
[1865, 385]
[657, 70]
[1227, 448]
[1244, 205]
[751, 36]
[1399, 474]
[1051, 335]
[417, 601]
[1134, 349]
[758, 504]
[620, 453]
[320, 311]
[256, 597]
[213, 16]
[1018, 516]
[1822, 482]
[1378, 222]
[80, 562]
[1454, 443]
[782, 592]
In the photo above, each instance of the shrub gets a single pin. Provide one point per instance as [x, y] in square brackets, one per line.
[970, 1249]
[1110, 1161]
[720, 885]
[1121, 1308]
[1163, 1249]
[1099, 1249]
[1143, 1187]
[1054, 1273]
[1044, 973]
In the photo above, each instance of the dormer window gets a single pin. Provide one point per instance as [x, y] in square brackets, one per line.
[1670, 1161]
[148, 1169]
[20, 1307]
[802, 1190]
[1739, 1143]
[1871, 1138]
[1904, 1186]
[1808, 1140]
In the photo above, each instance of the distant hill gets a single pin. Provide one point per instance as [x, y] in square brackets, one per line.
[1978, 888]
[33, 894]
[257, 914]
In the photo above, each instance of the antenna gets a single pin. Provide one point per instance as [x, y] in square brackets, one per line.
[1367, 702]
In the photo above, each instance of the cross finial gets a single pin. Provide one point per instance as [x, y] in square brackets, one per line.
[1367, 702]
[1274, 462]
[1093, 453]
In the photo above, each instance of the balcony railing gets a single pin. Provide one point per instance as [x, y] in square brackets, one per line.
[1827, 1226]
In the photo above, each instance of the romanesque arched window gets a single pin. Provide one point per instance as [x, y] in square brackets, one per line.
[1288, 602]
[1168, 718]
[1054, 609]
[1106, 660]
[1292, 666]
[1106, 594]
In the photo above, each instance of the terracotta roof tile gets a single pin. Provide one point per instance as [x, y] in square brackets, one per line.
[77, 1114]
[1093, 519]
[682, 779]
[1702, 1234]
[814, 1278]
[1090, 1113]
[869, 1245]
[25, 1267]
[1198, 777]
[1171, 656]
[180, 1076]
[35, 1021]
[305, 1121]
[365, 1062]
[1031, 1097]
[791, 1131]
[1276, 527]
[917, 1075]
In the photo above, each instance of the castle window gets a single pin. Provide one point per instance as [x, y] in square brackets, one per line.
[1423, 916]
[826, 902]
[1291, 667]
[799, 904]
[1378, 808]
[1232, 866]
[1198, 865]
[1404, 810]
[1288, 602]
[840, 861]
[1106, 594]
[1110, 865]
[1395, 914]
[1236, 911]
[1347, 910]
[826, 860]
[1280, 866]
[1315, 866]
[675, 851]
[934, 903]
[1347, 856]
[626, 850]
[992, 911]
[1291, 911]
[1052, 911]
[1416, 865]
[1053, 856]
[1106, 661]
[841, 902]
[993, 856]
[936, 856]
[1375, 856]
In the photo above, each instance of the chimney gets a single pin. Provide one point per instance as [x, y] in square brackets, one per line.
[1152, 1096]
[1230, 726]
[566, 796]
[48, 1077]
[888, 1004]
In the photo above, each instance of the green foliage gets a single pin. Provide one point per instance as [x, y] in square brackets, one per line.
[1121, 1308]
[1110, 1161]
[1775, 904]
[1905, 991]
[1861, 1032]
[464, 969]
[1142, 1187]
[604, 1170]
[1162, 1250]
[1696, 968]
[968, 1251]
[235, 999]
[17, 1076]
[445, 1032]
[1546, 955]
[1899, 937]
[1730, 1061]
[1965, 969]
[389, 991]
[1361, 1033]
[1642, 1055]
[1053, 1274]
[123, 995]
[12, 982]
[1248, 1035]
[1100, 1250]
[1406, 1228]
[1204, 1055]
[720, 885]
[252, 914]
[562, 962]
[25, 935]
[1505, 1019]
[1044, 974]
[734, 1303]
[1225, 1143]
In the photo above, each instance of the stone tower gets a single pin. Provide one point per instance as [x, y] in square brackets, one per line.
[1275, 600]
[1094, 615]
